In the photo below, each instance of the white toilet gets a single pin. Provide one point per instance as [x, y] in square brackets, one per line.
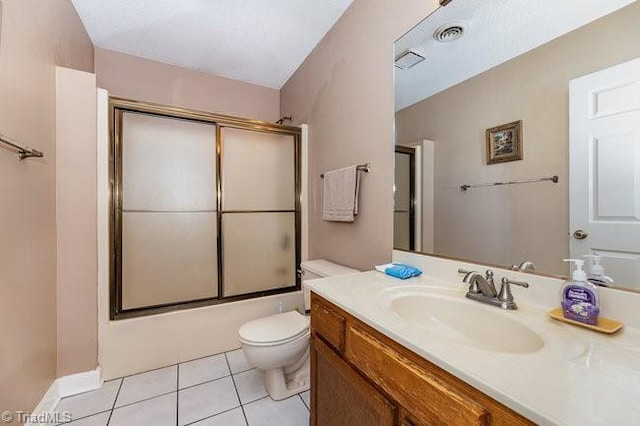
[278, 345]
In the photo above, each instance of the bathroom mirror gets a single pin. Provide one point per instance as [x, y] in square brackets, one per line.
[488, 65]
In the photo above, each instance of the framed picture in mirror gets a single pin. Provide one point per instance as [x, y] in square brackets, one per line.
[504, 143]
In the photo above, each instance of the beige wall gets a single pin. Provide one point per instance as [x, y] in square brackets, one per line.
[76, 213]
[510, 224]
[142, 79]
[344, 91]
[36, 36]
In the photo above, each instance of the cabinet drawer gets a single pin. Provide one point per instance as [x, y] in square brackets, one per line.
[341, 397]
[430, 399]
[327, 323]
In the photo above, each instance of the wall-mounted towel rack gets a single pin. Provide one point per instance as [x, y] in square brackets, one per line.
[23, 151]
[553, 179]
[361, 167]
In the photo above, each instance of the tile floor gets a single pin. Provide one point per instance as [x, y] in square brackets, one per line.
[219, 390]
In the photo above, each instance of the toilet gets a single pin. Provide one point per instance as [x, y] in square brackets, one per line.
[278, 345]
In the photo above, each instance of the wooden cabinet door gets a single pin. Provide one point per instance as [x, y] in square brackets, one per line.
[340, 396]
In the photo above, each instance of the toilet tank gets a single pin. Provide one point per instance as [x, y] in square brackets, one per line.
[314, 269]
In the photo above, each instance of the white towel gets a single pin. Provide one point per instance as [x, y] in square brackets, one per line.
[341, 189]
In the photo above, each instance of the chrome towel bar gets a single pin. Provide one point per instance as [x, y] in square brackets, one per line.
[361, 167]
[23, 151]
[553, 179]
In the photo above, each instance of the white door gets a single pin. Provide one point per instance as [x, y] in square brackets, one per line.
[604, 135]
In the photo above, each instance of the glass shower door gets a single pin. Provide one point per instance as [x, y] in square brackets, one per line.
[169, 227]
[205, 209]
[258, 212]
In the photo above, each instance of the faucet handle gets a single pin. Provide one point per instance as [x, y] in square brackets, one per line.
[507, 281]
[489, 276]
[463, 271]
[505, 295]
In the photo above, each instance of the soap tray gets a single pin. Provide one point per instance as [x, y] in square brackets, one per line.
[605, 325]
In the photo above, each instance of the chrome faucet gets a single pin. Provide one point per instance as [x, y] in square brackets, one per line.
[479, 284]
[526, 266]
[483, 289]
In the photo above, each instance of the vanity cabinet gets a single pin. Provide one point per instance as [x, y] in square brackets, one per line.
[361, 377]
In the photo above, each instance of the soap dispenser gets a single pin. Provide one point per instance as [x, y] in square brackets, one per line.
[580, 297]
[596, 273]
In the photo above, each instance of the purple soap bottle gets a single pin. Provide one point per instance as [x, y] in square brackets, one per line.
[580, 297]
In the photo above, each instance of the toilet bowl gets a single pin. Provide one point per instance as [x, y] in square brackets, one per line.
[278, 345]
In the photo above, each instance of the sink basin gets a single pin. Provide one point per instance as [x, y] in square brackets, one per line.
[466, 323]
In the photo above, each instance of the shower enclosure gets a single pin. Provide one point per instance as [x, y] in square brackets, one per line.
[205, 208]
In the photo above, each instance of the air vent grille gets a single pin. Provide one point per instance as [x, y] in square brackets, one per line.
[408, 59]
[449, 32]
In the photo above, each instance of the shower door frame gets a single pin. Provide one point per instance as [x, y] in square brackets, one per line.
[411, 152]
[117, 107]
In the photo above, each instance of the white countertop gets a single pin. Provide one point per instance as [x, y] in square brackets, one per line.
[578, 377]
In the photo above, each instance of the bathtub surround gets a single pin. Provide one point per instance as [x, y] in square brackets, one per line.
[344, 91]
[132, 345]
[36, 36]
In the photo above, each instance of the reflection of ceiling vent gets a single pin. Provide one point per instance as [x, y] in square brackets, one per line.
[449, 32]
[409, 58]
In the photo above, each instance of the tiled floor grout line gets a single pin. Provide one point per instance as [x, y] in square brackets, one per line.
[253, 400]
[147, 371]
[305, 404]
[84, 417]
[207, 381]
[259, 399]
[213, 415]
[177, 395]
[163, 394]
[243, 371]
[151, 397]
[178, 390]
[176, 364]
[208, 356]
[236, 389]
[99, 412]
[113, 406]
[145, 399]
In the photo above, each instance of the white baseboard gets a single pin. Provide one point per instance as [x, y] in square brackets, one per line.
[80, 382]
[66, 386]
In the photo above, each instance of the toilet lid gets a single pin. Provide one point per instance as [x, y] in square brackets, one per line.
[274, 328]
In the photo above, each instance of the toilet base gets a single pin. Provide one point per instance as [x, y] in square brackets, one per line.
[281, 386]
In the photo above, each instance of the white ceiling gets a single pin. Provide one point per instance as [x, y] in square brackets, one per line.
[257, 41]
[497, 30]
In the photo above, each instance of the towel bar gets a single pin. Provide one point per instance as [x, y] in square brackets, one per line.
[23, 151]
[361, 167]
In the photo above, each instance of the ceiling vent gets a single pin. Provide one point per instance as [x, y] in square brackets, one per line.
[449, 32]
[408, 59]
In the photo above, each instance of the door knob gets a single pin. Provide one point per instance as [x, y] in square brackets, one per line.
[580, 234]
